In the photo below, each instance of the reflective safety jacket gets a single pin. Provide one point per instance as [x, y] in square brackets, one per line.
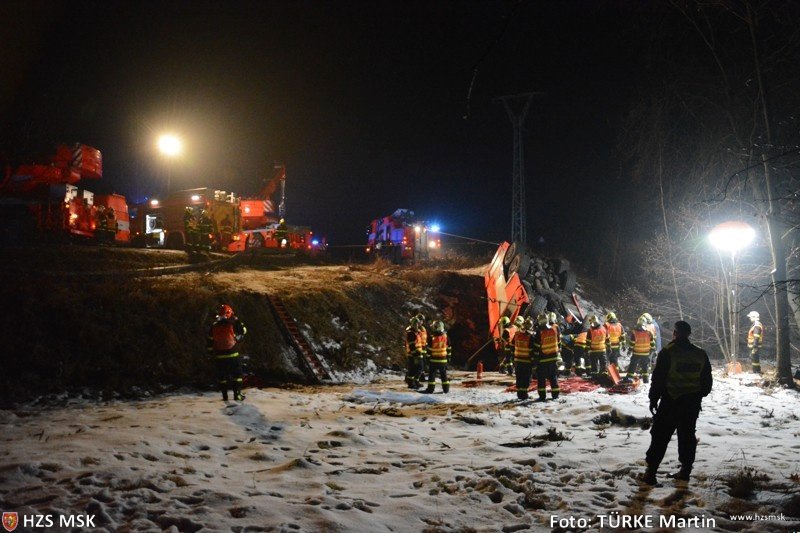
[755, 335]
[547, 344]
[616, 335]
[440, 348]
[682, 371]
[643, 341]
[598, 339]
[421, 342]
[580, 339]
[523, 344]
[223, 336]
[411, 341]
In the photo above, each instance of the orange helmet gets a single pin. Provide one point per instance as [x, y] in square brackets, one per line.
[225, 310]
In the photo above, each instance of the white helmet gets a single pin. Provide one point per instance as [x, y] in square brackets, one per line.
[753, 315]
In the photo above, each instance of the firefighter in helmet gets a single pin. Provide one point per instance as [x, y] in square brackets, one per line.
[282, 234]
[523, 347]
[546, 349]
[414, 352]
[755, 337]
[439, 356]
[205, 227]
[580, 346]
[642, 345]
[654, 328]
[597, 339]
[616, 338]
[191, 230]
[224, 337]
[506, 344]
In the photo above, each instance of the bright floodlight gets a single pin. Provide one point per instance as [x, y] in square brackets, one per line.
[731, 236]
[169, 145]
[435, 228]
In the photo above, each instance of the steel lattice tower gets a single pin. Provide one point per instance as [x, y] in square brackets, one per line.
[519, 231]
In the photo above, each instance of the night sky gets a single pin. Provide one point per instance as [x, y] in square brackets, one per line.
[363, 101]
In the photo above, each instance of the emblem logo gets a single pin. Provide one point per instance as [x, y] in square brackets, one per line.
[10, 521]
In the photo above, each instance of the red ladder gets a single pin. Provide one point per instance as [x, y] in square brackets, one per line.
[317, 368]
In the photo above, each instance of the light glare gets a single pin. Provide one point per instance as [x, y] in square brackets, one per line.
[731, 236]
[170, 145]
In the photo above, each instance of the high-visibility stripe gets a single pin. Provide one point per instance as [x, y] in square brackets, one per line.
[228, 356]
[643, 342]
[597, 338]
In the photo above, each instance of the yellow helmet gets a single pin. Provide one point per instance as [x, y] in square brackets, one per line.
[611, 317]
[753, 315]
[438, 326]
[648, 317]
[642, 322]
[552, 317]
[504, 321]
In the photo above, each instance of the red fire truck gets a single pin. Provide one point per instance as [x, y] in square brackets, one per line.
[402, 238]
[42, 198]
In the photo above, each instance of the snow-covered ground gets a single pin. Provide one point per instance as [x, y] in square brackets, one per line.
[380, 458]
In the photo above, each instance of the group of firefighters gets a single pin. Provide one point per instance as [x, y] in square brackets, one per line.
[550, 346]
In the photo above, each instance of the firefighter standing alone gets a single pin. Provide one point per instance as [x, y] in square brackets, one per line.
[224, 336]
[754, 339]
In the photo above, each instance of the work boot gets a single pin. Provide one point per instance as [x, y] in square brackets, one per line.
[649, 478]
[429, 390]
[684, 474]
[238, 396]
[225, 396]
[555, 395]
[646, 379]
[522, 395]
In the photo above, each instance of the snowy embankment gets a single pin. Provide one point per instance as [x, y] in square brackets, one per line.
[380, 458]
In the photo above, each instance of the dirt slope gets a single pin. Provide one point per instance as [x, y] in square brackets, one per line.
[89, 317]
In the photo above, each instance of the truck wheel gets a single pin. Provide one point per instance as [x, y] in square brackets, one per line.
[568, 281]
[175, 241]
[560, 265]
[538, 305]
[254, 240]
[528, 290]
[511, 253]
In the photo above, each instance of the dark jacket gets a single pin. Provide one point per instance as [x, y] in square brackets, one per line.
[661, 374]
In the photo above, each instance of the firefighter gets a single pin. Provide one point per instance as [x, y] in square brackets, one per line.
[755, 338]
[523, 345]
[190, 230]
[282, 234]
[616, 338]
[654, 328]
[579, 348]
[642, 346]
[546, 349]
[556, 321]
[413, 353]
[423, 346]
[440, 351]
[597, 339]
[224, 336]
[507, 333]
[681, 379]
[568, 352]
[205, 227]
